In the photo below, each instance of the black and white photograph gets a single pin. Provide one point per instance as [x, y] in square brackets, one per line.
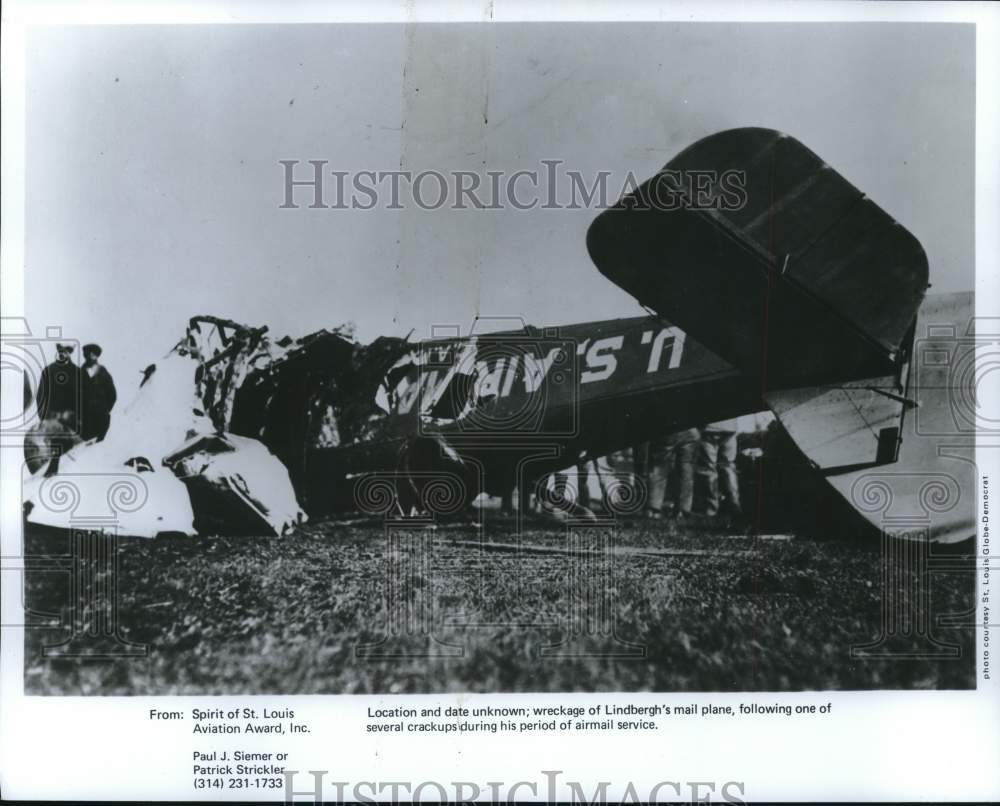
[498, 357]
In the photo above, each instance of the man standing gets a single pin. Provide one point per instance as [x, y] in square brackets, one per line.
[57, 401]
[651, 464]
[59, 390]
[98, 397]
[717, 466]
[681, 454]
[565, 501]
[666, 465]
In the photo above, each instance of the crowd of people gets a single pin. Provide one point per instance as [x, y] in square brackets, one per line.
[671, 467]
[688, 473]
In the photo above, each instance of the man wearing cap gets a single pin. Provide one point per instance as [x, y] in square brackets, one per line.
[98, 397]
[58, 395]
[58, 403]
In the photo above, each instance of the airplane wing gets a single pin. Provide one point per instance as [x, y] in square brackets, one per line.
[759, 249]
[763, 252]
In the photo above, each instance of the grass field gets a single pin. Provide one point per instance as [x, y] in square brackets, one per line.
[348, 608]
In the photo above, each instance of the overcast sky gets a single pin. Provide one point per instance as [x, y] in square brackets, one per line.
[153, 181]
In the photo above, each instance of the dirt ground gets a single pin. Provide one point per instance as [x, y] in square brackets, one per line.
[361, 607]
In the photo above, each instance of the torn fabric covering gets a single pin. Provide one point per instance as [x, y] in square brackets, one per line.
[213, 482]
[93, 489]
[236, 484]
[48, 437]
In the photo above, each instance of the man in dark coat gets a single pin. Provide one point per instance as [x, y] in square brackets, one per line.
[57, 401]
[59, 389]
[98, 395]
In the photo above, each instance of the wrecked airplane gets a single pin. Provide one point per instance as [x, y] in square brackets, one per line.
[831, 331]
[232, 429]
[169, 462]
[398, 427]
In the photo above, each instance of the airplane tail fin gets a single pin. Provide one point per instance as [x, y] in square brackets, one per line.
[751, 243]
